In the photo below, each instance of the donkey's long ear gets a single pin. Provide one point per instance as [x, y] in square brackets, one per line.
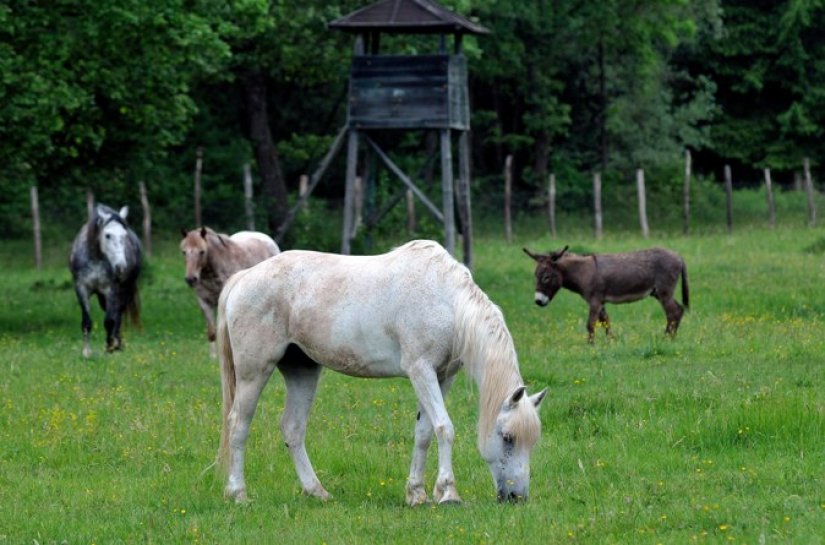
[203, 232]
[531, 254]
[124, 213]
[557, 255]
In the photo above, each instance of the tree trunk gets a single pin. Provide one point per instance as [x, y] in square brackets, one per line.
[273, 186]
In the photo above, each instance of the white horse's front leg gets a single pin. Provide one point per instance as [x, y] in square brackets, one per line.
[423, 378]
[415, 493]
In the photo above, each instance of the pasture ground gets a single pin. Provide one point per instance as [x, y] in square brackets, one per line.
[715, 437]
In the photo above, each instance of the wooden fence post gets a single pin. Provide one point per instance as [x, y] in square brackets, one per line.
[686, 194]
[303, 187]
[358, 204]
[411, 222]
[248, 200]
[90, 203]
[198, 170]
[809, 190]
[147, 219]
[597, 203]
[551, 203]
[508, 190]
[38, 245]
[769, 196]
[640, 190]
[729, 198]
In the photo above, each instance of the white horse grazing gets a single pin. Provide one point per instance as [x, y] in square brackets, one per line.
[414, 312]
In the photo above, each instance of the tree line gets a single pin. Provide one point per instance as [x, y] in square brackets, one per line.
[101, 96]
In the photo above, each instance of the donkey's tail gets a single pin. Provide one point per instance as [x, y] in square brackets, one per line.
[227, 362]
[685, 290]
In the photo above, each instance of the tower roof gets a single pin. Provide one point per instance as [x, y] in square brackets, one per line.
[407, 17]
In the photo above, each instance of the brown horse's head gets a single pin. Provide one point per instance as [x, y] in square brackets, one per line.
[549, 277]
[194, 248]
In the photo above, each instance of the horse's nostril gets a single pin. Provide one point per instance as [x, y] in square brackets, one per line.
[190, 280]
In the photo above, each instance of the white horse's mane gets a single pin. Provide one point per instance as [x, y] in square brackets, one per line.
[484, 345]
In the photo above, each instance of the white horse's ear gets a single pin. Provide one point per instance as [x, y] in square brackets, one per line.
[536, 399]
[515, 397]
[124, 212]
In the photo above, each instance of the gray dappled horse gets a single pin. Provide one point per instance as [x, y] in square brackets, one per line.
[106, 261]
[614, 278]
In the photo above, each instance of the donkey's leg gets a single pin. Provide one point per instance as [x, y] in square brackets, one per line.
[247, 391]
[301, 378]
[86, 319]
[424, 381]
[415, 493]
[674, 312]
[592, 317]
[605, 319]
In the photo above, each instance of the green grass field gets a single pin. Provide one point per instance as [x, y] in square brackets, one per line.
[715, 437]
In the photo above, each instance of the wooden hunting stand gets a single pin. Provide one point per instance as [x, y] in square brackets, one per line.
[410, 92]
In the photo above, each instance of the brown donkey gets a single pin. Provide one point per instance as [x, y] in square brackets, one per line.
[614, 278]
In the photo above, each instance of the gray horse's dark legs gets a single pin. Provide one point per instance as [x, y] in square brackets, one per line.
[85, 320]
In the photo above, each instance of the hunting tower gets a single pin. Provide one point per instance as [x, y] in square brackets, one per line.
[411, 93]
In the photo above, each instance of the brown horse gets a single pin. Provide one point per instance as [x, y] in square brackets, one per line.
[614, 278]
[211, 258]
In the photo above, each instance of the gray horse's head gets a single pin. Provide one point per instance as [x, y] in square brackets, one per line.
[114, 237]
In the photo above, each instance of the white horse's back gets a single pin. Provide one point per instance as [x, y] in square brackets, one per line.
[260, 243]
[354, 314]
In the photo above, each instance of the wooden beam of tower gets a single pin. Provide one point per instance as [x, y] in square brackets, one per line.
[403, 177]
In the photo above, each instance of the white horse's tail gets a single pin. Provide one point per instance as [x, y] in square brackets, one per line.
[227, 362]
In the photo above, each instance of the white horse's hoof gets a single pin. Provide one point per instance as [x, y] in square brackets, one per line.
[87, 352]
[416, 496]
[446, 494]
[319, 492]
[237, 494]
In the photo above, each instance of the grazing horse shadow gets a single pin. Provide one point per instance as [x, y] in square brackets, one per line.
[106, 261]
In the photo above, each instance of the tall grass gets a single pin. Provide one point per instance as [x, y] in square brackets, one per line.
[717, 436]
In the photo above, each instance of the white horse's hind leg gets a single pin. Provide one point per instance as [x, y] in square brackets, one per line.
[424, 381]
[247, 393]
[301, 379]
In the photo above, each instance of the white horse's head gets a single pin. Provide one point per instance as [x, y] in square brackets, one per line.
[507, 447]
[114, 239]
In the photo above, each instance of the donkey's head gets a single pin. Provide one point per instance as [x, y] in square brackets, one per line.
[506, 448]
[113, 237]
[194, 248]
[549, 277]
